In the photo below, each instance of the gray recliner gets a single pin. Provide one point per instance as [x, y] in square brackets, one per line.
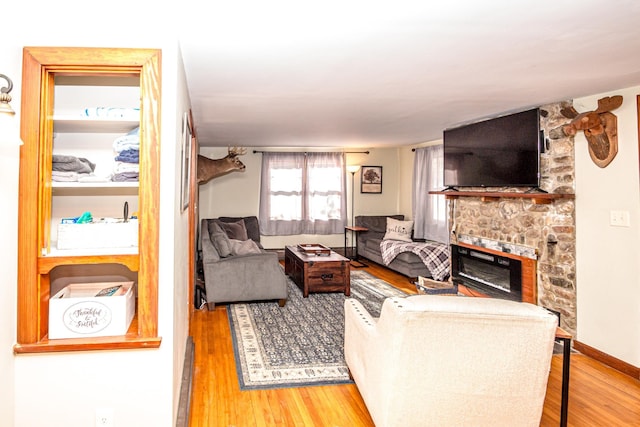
[236, 266]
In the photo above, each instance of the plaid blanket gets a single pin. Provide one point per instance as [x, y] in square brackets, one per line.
[435, 255]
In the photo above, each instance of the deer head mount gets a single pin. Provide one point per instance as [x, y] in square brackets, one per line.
[600, 127]
[213, 168]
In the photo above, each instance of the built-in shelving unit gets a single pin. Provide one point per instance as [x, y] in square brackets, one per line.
[488, 196]
[67, 95]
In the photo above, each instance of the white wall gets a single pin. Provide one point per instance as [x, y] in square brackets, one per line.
[238, 193]
[608, 257]
[177, 244]
[9, 160]
[64, 389]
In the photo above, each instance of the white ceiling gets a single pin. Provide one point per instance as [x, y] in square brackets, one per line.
[352, 73]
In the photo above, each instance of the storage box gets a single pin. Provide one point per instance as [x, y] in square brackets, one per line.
[434, 287]
[76, 312]
[96, 235]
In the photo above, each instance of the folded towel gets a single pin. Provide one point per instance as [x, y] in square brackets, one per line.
[125, 177]
[126, 142]
[119, 167]
[129, 155]
[93, 178]
[113, 112]
[61, 176]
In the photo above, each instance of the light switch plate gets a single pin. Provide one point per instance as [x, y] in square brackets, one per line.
[619, 219]
[104, 417]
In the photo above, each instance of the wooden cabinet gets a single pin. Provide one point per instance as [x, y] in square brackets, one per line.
[77, 102]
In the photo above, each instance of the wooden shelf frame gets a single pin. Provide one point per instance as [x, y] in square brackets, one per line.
[40, 67]
[488, 196]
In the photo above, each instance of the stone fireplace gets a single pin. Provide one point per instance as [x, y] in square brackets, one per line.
[545, 229]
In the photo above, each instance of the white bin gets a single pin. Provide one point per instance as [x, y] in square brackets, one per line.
[76, 312]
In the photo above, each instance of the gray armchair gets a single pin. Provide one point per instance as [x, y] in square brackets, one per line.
[236, 266]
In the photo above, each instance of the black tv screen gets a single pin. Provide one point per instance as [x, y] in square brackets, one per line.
[498, 152]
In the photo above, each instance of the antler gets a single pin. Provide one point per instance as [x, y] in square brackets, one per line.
[569, 112]
[235, 151]
[609, 103]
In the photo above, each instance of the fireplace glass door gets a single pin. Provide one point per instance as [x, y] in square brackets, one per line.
[488, 273]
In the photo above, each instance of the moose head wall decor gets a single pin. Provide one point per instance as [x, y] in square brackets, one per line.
[212, 168]
[600, 128]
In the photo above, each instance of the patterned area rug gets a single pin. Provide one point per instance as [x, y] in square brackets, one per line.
[300, 344]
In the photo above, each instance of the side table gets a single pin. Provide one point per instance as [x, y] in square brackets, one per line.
[354, 229]
[565, 337]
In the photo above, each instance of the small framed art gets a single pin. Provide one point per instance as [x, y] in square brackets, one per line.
[371, 179]
[186, 160]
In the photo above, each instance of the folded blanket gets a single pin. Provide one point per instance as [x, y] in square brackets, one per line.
[435, 255]
[65, 163]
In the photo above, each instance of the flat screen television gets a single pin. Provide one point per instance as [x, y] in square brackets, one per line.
[499, 152]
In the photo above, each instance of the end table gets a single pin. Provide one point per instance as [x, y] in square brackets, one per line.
[354, 252]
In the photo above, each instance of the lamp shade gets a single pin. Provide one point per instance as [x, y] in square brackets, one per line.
[353, 168]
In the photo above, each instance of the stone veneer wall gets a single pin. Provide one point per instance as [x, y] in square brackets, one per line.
[548, 228]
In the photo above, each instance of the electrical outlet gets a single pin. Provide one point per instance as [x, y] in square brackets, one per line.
[619, 219]
[104, 417]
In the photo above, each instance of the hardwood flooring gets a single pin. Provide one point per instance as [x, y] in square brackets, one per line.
[598, 395]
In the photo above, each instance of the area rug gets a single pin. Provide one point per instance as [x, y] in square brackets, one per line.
[300, 344]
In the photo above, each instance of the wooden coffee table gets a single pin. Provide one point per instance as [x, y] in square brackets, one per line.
[317, 273]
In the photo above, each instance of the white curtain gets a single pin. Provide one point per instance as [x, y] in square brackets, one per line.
[302, 193]
[429, 210]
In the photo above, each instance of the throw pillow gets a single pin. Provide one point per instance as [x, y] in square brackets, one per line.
[398, 230]
[244, 247]
[220, 240]
[235, 230]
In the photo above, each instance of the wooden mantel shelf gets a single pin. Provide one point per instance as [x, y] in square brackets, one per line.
[487, 196]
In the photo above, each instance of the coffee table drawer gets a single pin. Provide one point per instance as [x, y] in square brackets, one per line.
[327, 277]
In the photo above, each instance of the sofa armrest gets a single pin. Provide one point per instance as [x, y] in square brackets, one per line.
[209, 252]
[359, 328]
[248, 259]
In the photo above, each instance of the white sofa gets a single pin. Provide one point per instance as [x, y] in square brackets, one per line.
[433, 360]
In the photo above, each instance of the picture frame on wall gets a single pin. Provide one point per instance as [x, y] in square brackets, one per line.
[186, 161]
[371, 179]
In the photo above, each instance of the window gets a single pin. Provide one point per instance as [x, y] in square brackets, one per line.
[302, 193]
[429, 210]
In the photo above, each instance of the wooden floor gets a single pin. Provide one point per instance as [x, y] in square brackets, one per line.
[598, 395]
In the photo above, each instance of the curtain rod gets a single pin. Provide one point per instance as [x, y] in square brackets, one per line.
[305, 152]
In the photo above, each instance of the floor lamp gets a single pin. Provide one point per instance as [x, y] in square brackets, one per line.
[353, 169]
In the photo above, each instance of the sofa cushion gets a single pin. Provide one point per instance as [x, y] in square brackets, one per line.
[373, 245]
[398, 230]
[235, 230]
[244, 247]
[251, 224]
[219, 239]
[375, 223]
